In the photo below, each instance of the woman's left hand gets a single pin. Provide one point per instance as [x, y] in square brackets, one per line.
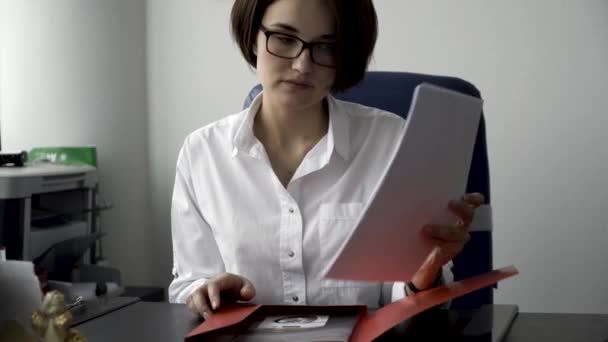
[449, 239]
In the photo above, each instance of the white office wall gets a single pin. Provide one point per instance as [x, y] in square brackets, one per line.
[542, 69]
[541, 66]
[73, 73]
[196, 76]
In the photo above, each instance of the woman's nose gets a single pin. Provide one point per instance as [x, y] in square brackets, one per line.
[303, 63]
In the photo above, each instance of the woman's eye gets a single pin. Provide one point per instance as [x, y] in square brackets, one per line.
[325, 48]
[286, 40]
[328, 47]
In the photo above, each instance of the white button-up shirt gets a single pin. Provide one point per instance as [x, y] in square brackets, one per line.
[230, 212]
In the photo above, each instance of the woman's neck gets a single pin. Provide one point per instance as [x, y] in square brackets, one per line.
[286, 128]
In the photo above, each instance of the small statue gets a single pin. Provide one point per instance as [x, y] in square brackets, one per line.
[52, 323]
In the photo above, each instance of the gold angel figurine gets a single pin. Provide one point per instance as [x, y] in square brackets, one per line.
[52, 322]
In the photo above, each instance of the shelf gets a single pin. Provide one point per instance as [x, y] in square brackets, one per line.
[43, 238]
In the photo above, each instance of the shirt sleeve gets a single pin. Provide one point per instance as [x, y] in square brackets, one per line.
[196, 256]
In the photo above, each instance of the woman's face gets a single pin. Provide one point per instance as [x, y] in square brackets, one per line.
[296, 83]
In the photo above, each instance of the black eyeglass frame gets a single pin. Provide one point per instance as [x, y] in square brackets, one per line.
[305, 45]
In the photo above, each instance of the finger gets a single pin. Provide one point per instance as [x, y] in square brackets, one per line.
[463, 210]
[230, 284]
[447, 233]
[197, 302]
[234, 286]
[190, 303]
[448, 250]
[213, 292]
[248, 290]
[475, 199]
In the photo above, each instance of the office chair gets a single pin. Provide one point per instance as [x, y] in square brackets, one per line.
[393, 91]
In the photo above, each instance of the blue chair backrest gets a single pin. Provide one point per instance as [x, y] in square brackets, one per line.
[393, 91]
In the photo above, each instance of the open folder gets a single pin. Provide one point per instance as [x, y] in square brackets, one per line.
[243, 322]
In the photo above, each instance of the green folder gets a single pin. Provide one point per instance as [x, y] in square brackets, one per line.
[66, 155]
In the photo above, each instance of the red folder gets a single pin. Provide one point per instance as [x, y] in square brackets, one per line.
[370, 324]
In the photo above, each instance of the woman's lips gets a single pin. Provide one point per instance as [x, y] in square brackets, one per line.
[298, 84]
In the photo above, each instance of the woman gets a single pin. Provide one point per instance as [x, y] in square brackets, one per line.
[264, 198]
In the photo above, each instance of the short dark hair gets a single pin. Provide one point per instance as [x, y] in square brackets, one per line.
[357, 31]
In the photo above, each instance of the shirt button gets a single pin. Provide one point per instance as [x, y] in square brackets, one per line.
[295, 298]
[291, 254]
[291, 210]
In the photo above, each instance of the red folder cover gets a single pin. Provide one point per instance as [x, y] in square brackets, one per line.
[370, 324]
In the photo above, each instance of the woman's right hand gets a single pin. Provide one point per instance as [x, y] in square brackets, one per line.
[207, 298]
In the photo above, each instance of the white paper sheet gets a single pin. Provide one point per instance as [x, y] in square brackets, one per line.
[19, 291]
[429, 168]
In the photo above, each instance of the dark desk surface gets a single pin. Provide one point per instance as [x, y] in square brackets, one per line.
[145, 321]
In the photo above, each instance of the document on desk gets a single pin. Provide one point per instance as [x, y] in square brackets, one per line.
[19, 291]
[429, 167]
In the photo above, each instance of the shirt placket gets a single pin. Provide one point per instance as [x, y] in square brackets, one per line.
[291, 233]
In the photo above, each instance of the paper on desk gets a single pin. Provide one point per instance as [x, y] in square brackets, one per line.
[429, 169]
[85, 290]
[20, 291]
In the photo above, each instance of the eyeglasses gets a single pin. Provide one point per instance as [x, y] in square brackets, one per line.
[290, 47]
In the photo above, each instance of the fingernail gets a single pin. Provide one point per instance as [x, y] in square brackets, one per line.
[214, 304]
[206, 315]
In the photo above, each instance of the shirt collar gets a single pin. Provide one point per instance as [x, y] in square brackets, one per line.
[244, 140]
[338, 132]
[337, 137]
